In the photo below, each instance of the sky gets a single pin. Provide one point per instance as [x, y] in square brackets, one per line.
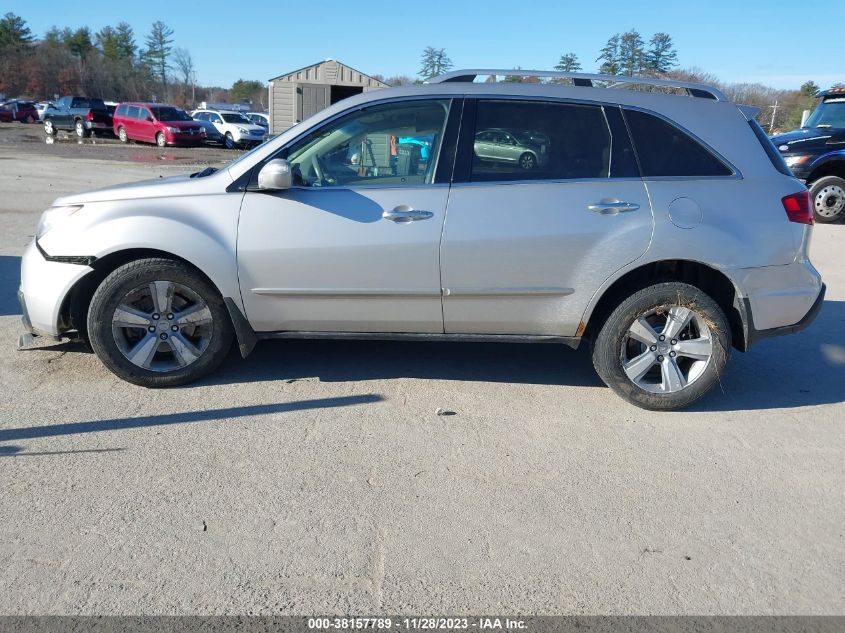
[775, 42]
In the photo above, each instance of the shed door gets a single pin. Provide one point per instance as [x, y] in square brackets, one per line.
[310, 99]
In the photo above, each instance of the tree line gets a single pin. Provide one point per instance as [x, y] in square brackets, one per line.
[110, 64]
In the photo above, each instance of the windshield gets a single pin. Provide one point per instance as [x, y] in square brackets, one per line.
[235, 117]
[829, 114]
[170, 114]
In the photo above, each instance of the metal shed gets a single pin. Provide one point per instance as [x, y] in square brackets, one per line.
[299, 94]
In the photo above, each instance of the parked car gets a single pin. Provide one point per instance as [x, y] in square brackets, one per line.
[662, 231]
[17, 110]
[156, 123]
[236, 128]
[502, 146]
[81, 115]
[815, 154]
[259, 118]
[212, 134]
[41, 107]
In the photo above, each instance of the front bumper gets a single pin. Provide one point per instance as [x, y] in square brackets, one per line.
[44, 287]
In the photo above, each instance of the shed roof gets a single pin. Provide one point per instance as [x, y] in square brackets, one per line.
[328, 71]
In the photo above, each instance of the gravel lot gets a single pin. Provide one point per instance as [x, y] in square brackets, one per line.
[320, 477]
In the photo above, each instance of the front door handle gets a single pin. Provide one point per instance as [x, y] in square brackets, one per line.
[404, 214]
[612, 207]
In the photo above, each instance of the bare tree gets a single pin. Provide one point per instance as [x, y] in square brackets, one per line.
[184, 63]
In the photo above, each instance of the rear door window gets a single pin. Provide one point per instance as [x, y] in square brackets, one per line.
[132, 112]
[666, 151]
[535, 140]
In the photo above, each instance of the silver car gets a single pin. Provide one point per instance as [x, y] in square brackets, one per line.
[662, 229]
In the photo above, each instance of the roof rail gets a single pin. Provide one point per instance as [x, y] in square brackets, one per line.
[584, 79]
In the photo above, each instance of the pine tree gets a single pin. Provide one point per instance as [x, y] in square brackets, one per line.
[14, 33]
[157, 53]
[435, 62]
[568, 63]
[661, 56]
[631, 53]
[609, 57]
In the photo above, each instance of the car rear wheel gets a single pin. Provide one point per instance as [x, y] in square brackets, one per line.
[828, 196]
[160, 140]
[81, 132]
[528, 161]
[121, 134]
[663, 347]
[159, 323]
[49, 128]
[229, 141]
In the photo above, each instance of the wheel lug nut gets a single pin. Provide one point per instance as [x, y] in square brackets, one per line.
[156, 317]
[174, 328]
[654, 348]
[672, 354]
[152, 328]
[662, 338]
[674, 341]
[163, 336]
[169, 317]
[660, 358]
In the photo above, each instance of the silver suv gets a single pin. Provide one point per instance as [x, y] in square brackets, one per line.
[662, 229]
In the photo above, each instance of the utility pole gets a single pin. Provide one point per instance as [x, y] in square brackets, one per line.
[193, 89]
[774, 112]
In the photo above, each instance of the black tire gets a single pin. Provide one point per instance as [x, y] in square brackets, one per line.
[528, 161]
[79, 128]
[50, 128]
[113, 290]
[229, 141]
[827, 195]
[609, 349]
[122, 135]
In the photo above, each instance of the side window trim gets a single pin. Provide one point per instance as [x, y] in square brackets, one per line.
[734, 175]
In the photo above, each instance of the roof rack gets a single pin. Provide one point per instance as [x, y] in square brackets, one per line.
[702, 91]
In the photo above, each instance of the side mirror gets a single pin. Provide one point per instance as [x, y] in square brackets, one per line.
[149, 119]
[275, 176]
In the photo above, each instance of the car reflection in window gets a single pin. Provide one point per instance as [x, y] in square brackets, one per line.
[527, 148]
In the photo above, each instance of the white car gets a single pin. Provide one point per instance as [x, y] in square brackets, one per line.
[259, 118]
[237, 129]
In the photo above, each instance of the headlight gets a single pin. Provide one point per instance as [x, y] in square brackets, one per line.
[792, 161]
[243, 130]
[54, 216]
[173, 130]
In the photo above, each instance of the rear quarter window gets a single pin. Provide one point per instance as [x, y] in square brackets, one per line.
[770, 149]
[664, 150]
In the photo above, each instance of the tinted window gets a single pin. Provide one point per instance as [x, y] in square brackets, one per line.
[235, 117]
[522, 140]
[392, 144]
[664, 150]
[143, 113]
[132, 112]
[120, 110]
[168, 113]
[97, 104]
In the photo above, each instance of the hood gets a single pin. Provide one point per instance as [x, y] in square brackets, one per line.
[154, 188]
[181, 124]
[804, 140]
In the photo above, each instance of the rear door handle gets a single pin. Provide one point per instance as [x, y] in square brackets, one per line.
[612, 207]
[404, 214]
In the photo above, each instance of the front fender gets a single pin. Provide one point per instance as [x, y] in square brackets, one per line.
[207, 238]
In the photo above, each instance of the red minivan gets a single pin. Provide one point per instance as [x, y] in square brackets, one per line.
[156, 123]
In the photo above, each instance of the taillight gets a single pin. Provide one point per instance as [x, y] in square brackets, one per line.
[797, 207]
[90, 115]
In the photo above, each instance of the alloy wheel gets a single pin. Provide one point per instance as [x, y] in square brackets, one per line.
[667, 349]
[162, 326]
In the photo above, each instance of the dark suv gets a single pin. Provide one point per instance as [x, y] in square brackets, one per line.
[80, 115]
[816, 155]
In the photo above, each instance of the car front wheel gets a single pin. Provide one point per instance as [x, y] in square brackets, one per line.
[158, 323]
[663, 347]
[161, 141]
[229, 141]
[81, 132]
